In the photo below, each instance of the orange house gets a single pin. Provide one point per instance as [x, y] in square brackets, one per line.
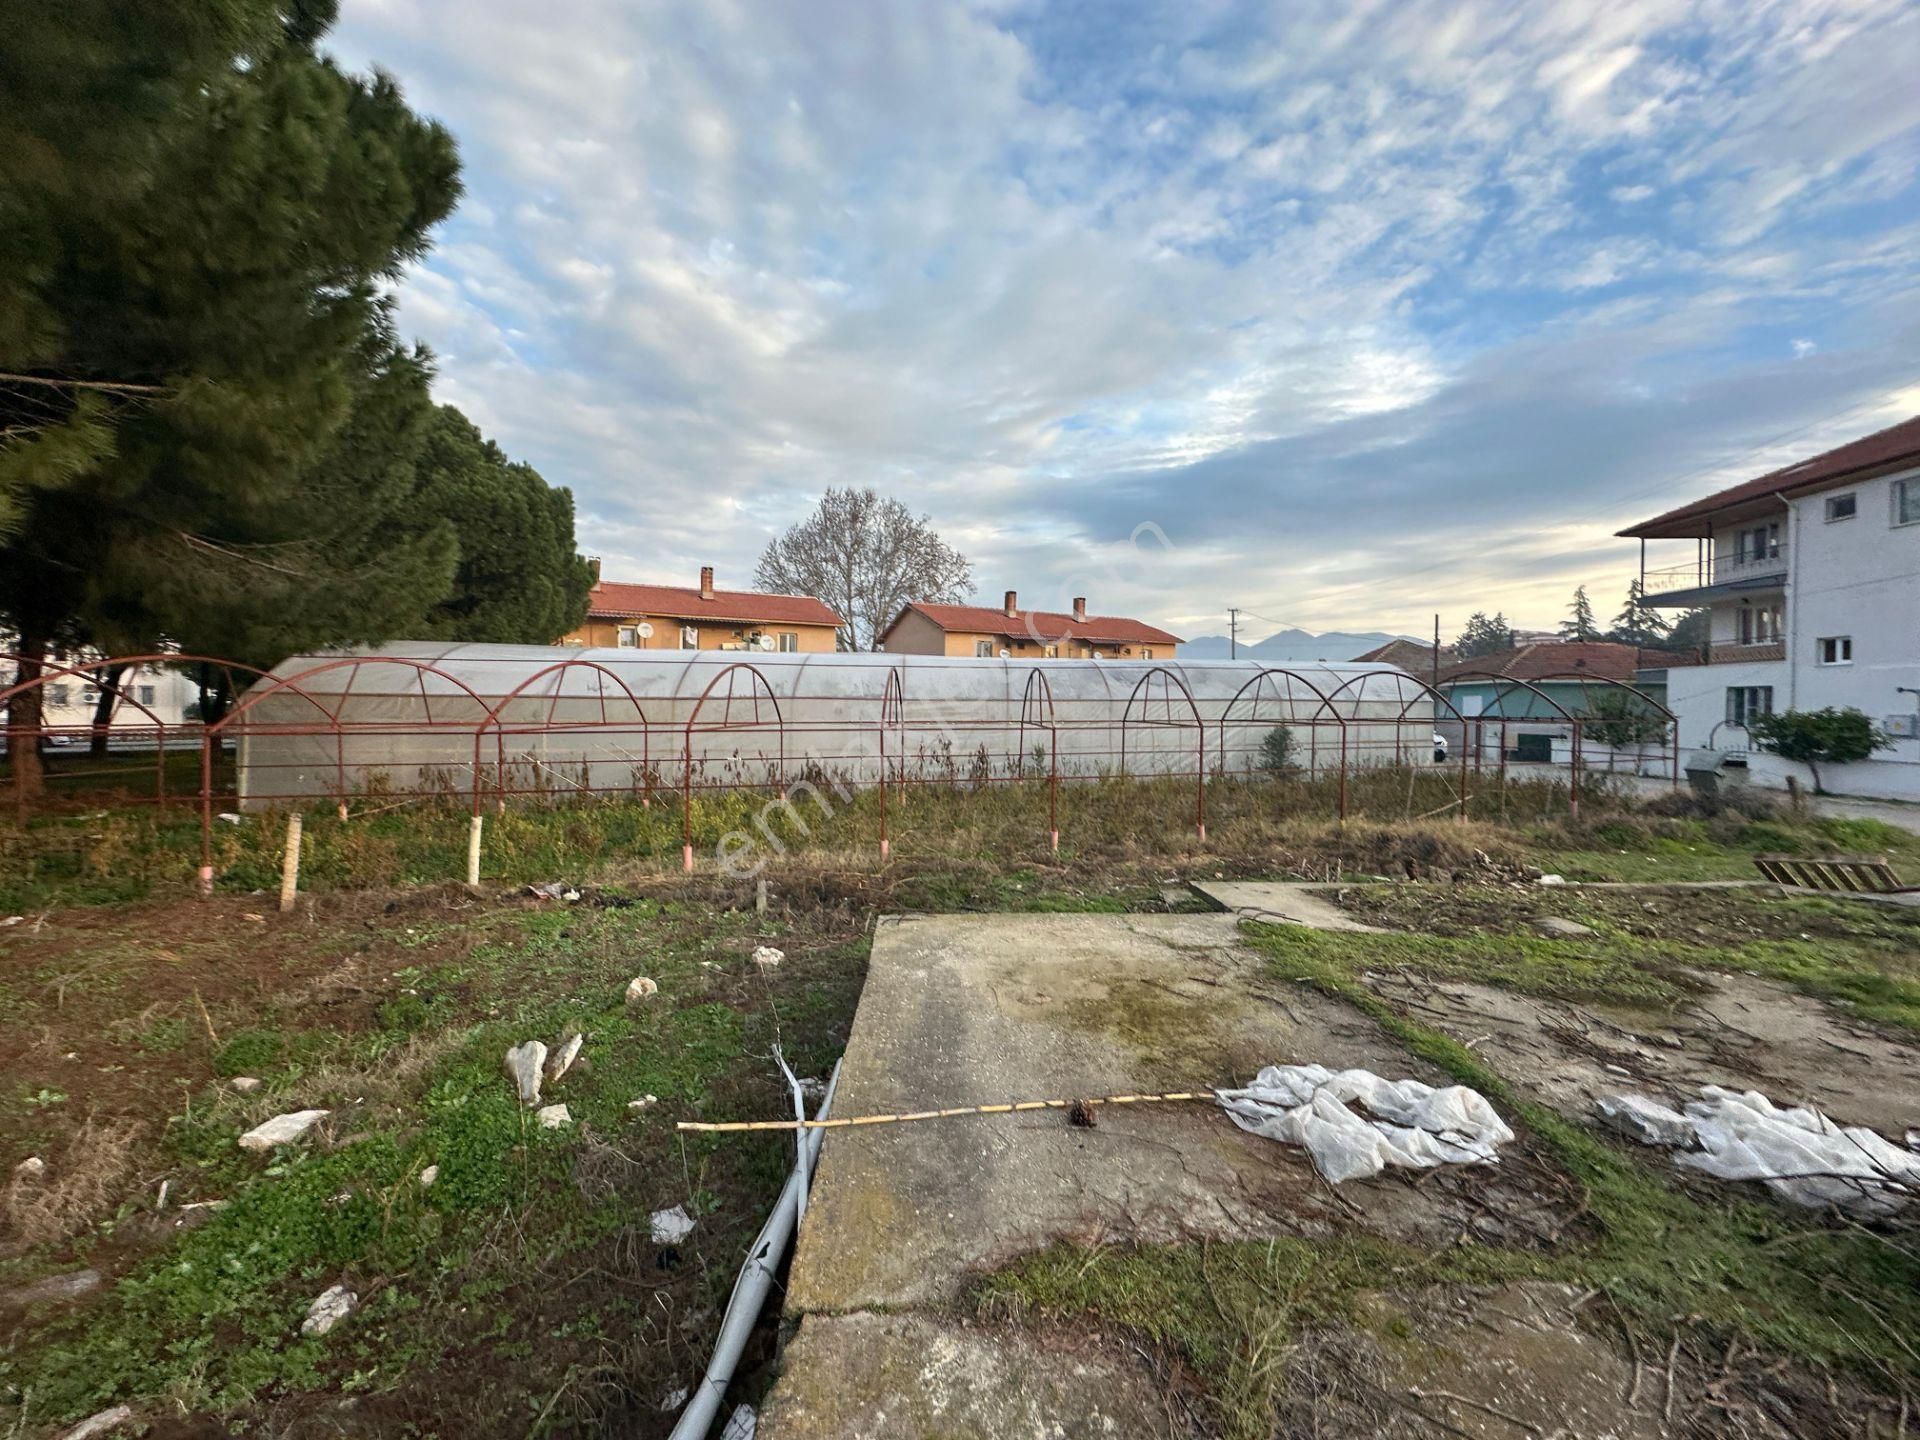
[674, 617]
[980, 630]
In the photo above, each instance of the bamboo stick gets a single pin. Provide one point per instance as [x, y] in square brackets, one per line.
[1009, 1108]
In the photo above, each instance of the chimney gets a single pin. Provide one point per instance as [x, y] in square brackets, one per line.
[593, 568]
[1080, 607]
[706, 582]
[1013, 603]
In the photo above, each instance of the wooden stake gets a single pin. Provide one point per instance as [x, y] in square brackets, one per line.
[473, 851]
[290, 864]
[1012, 1108]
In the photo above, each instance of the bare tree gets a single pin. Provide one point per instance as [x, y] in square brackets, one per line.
[866, 555]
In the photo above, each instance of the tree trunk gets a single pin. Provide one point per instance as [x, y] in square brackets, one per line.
[1814, 769]
[103, 705]
[24, 714]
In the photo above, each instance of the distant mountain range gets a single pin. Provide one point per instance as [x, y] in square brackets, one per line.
[1293, 646]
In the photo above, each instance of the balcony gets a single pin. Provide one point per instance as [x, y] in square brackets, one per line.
[1733, 570]
[1731, 653]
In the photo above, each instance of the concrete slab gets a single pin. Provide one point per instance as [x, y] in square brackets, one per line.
[920, 1377]
[1283, 902]
[975, 1009]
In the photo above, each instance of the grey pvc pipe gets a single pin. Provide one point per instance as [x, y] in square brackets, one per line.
[750, 1289]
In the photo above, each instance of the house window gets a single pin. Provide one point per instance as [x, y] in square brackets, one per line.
[1759, 625]
[1842, 507]
[628, 637]
[1760, 543]
[1746, 701]
[1146, 652]
[983, 649]
[61, 695]
[1906, 502]
[789, 641]
[1053, 652]
[1836, 650]
[146, 694]
[689, 637]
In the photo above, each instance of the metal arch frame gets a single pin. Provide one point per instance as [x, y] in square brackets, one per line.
[1401, 678]
[50, 669]
[501, 730]
[1512, 682]
[686, 753]
[893, 712]
[1313, 722]
[1671, 720]
[1039, 690]
[1200, 731]
[211, 735]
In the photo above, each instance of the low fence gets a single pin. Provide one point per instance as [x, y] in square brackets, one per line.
[490, 727]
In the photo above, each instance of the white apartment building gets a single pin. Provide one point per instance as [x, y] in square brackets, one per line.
[1811, 579]
[68, 703]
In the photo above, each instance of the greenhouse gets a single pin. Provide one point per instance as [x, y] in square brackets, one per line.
[495, 722]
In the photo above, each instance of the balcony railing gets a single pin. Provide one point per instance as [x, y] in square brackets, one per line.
[1730, 653]
[1720, 570]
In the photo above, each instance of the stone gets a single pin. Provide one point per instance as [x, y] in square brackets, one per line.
[670, 1227]
[245, 1084]
[70, 1286]
[641, 988]
[31, 1168]
[524, 1064]
[1551, 880]
[428, 1176]
[1559, 929]
[645, 1102]
[329, 1308]
[767, 956]
[282, 1129]
[673, 1399]
[553, 1117]
[101, 1423]
[562, 1059]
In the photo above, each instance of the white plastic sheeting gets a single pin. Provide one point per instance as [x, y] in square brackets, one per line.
[1406, 1123]
[607, 720]
[1799, 1153]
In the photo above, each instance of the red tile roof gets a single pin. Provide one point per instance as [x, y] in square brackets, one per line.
[1408, 655]
[1602, 659]
[612, 601]
[1046, 625]
[1891, 449]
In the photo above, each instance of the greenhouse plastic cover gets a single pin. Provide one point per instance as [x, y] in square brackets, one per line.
[1408, 1124]
[1801, 1155]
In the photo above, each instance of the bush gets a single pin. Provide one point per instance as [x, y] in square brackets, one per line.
[1276, 752]
[1819, 737]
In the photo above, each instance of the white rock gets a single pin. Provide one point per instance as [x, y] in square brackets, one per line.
[524, 1063]
[813, 1087]
[669, 1227]
[552, 1117]
[101, 1423]
[1560, 929]
[31, 1168]
[1551, 880]
[11, 920]
[229, 816]
[641, 988]
[562, 1059]
[673, 1399]
[645, 1102]
[245, 1084]
[428, 1176]
[329, 1308]
[281, 1129]
[768, 956]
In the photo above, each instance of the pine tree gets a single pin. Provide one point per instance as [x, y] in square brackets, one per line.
[1579, 624]
[1483, 636]
[1638, 625]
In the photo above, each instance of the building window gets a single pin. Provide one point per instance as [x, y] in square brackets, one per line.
[1746, 701]
[1906, 502]
[1836, 650]
[983, 649]
[1759, 624]
[1842, 507]
[1760, 543]
[789, 642]
[1146, 652]
[689, 637]
[627, 637]
[146, 694]
[1053, 652]
[61, 695]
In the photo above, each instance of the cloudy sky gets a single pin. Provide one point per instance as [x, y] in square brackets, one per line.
[1343, 313]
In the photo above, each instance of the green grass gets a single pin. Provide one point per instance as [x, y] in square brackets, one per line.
[1641, 848]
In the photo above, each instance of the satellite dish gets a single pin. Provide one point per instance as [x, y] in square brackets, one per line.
[645, 629]
[763, 642]
[1006, 654]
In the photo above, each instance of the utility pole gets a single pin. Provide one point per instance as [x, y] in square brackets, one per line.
[1436, 652]
[1233, 633]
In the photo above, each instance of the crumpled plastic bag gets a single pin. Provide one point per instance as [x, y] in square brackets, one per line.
[1406, 1123]
[1801, 1155]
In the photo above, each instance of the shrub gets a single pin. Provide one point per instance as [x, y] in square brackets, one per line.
[1819, 737]
[1276, 752]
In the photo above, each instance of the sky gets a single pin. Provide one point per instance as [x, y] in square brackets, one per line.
[1343, 314]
